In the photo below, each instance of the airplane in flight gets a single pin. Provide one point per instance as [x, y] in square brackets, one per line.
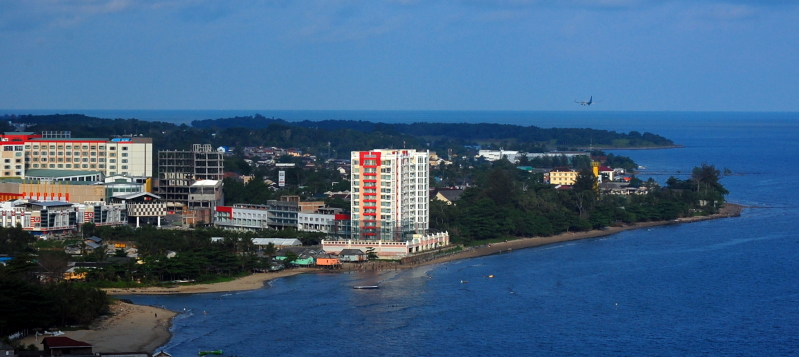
[589, 102]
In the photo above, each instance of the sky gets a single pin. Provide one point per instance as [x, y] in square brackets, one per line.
[630, 55]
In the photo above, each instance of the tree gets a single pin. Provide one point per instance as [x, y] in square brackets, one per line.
[586, 181]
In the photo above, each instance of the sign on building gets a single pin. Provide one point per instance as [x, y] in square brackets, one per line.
[281, 178]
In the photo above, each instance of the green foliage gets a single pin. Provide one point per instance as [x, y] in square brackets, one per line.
[15, 239]
[505, 204]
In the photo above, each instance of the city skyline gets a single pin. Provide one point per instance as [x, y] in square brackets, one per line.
[630, 55]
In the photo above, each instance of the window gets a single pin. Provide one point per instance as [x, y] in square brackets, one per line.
[77, 153]
[94, 160]
[52, 166]
[85, 166]
[124, 167]
[112, 167]
[112, 160]
[69, 166]
[124, 148]
[60, 147]
[35, 166]
[112, 154]
[94, 148]
[124, 161]
[60, 166]
[124, 154]
[112, 148]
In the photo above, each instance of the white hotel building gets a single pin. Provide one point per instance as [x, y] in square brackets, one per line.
[389, 194]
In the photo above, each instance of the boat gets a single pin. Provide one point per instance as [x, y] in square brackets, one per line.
[362, 287]
[214, 352]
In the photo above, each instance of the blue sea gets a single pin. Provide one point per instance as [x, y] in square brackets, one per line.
[726, 287]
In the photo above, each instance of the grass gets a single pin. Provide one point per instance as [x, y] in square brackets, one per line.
[53, 243]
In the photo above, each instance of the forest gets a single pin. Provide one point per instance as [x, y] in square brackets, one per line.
[507, 202]
[337, 138]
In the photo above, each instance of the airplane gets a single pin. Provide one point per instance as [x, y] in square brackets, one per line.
[589, 102]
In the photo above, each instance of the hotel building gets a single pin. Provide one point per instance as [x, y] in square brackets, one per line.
[389, 194]
[23, 151]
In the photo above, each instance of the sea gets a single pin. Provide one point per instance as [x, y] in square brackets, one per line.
[727, 287]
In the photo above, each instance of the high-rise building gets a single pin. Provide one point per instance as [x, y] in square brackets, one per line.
[389, 194]
[190, 179]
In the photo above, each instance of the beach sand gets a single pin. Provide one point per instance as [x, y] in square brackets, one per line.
[135, 328]
[130, 328]
[249, 282]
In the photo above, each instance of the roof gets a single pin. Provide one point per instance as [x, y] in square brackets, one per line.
[18, 133]
[450, 195]
[351, 252]
[277, 241]
[58, 173]
[51, 203]
[130, 196]
[95, 239]
[63, 342]
[206, 183]
[68, 139]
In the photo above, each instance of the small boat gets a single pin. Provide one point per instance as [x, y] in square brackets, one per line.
[361, 287]
[214, 352]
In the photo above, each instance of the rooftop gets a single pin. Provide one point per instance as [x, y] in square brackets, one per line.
[58, 173]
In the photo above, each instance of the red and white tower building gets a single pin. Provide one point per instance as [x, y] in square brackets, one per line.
[389, 199]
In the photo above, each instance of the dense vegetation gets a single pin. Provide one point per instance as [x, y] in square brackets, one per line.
[509, 202]
[483, 132]
[28, 301]
[338, 137]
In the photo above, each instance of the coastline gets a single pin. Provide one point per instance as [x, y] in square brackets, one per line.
[130, 328]
[133, 327]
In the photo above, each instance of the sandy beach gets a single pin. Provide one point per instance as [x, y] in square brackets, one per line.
[249, 282]
[130, 328]
[135, 328]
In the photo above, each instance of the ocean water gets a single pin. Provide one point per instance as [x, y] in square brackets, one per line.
[726, 287]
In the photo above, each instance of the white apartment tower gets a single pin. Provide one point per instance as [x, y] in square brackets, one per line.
[389, 194]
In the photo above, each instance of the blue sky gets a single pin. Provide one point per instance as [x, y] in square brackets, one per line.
[700, 55]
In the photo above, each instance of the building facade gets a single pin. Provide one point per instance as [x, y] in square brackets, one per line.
[22, 151]
[562, 176]
[389, 194]
[178, 170]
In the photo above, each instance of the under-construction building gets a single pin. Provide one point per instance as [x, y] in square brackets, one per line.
[183, 174]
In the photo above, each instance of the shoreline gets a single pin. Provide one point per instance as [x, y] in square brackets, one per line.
[135, 328]
[130, 328]
[257, 280]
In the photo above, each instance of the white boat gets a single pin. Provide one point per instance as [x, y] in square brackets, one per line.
[366, 287]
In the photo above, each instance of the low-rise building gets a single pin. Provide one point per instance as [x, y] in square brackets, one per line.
[562, 176]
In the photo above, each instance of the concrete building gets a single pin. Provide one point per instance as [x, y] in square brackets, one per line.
[180, 170]
[275, 214]
[56, 217]
[494, 155]
[389, 194]
[142, 208]
[23, 151]
[562, 176]
[331, 221]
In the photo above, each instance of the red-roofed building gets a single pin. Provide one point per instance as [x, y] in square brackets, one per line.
[59, 346]
[607, 172]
